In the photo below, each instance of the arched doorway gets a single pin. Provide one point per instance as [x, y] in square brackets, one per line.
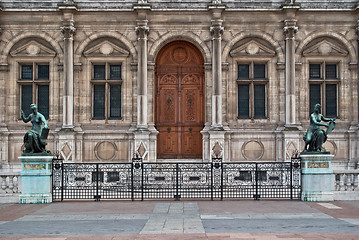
[179, 101]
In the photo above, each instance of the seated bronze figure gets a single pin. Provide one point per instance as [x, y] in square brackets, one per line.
[35, 139]
[315, 137]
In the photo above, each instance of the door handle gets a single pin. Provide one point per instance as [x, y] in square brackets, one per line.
[190, 129]
[169, 129]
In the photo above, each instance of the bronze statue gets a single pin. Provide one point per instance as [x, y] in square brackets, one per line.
[315, 137]
[35, 139]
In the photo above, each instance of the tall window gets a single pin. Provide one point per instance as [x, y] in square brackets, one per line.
[252, 81]
[34, 86]
[106, 82]
[323, 87]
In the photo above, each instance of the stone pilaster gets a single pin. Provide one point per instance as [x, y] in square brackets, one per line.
[217, 31]
[290, 110]
[68, 31]
[142, 31]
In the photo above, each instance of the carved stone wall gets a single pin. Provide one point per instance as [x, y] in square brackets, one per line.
[108, 35]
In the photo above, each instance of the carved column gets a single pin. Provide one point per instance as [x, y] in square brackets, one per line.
[142, 31]
[217, 31]
[68, 30]
[290, 99]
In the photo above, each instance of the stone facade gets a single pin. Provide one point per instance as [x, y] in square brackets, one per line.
[286, 36]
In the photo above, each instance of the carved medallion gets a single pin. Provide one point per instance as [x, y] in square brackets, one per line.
[105, 151]
[33, 49]
[106, 49]
[253, 150]
[179, 55]
[252, 49]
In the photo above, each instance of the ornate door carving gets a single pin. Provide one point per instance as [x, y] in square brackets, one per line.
[179, 101]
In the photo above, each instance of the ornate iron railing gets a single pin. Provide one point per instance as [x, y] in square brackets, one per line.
[212, 180]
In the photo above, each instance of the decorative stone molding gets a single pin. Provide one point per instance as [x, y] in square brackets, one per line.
[216, 29]
[253, 150]
[68, 31]
[106, 151]
[142, 30]
[290, 28]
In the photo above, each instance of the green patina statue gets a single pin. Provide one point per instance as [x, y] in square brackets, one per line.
[35, 139]
[315, 137]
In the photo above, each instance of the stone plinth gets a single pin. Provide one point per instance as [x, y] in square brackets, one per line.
[317, 177]
[36, 179]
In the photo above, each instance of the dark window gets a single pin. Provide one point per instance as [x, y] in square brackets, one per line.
[115, 72]
[99, 72]
[115, 101]
[259, 101]
[243, 71]
[314, 71]
[26, 98]
[331, 100]
[26, 72]
[99, 102]
[315, 96]
[243, 101]
[331, 71]
[259, 71]
[43, 100]
[43, 72]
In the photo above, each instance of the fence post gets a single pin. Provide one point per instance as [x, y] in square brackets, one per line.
[97, 197]
[137, 176]
[256, 196]
[177, 197]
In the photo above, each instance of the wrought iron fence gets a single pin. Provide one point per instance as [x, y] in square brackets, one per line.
[212, 180]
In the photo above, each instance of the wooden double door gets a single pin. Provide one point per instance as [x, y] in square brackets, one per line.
[179, 101]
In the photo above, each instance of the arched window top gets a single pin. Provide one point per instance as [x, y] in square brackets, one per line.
[106, 47]
[252, 47]
[324, 46]
[32, 47]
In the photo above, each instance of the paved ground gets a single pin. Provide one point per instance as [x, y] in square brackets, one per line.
[217, 220]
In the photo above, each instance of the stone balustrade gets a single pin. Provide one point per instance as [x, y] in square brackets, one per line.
[9, 187]
[346, 184]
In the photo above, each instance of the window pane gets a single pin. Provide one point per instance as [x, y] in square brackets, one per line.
[99, 101]
[99, 71]
[314, 71]
[314, 96]
[115, 72]
[26, 72]
[43, 72]
[115, 101]
[243, 101]
[26, 98]
[259, 71]
[259, 101]
[331, 100]
[43, 100]
[331, 71]
[243, 71]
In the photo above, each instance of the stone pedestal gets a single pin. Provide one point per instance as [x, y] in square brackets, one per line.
[35, 179]
[317, 177]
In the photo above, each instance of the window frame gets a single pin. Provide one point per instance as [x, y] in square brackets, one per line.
[323, 81]
[35, 81]
[107, 81]
[251, 82]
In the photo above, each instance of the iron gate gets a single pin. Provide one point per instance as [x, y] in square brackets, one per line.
[212, 180]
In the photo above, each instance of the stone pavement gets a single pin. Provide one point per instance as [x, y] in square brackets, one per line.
[240, 219]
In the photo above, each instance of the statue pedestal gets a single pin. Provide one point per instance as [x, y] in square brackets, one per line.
[317, 177]
[36, 179]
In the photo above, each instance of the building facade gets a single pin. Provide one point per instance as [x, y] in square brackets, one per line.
[179, 80]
